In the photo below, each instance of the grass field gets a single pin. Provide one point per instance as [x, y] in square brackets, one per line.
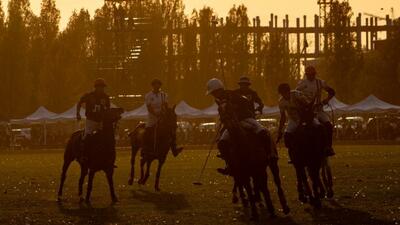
[367, 185]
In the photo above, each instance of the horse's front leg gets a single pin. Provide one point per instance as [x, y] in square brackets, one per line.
[90, 186]
[109, 174]
[142, 164]
[158, 174]
[84, 172]
[133, 159]
[301, 183]
[327, 177]
[235, 198]
[314, 173]
[250, 194]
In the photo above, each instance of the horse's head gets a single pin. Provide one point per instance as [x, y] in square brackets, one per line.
[307, 114]
[112, 116]
[168, 119]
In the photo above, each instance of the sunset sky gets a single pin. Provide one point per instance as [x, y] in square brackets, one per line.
[262, 8]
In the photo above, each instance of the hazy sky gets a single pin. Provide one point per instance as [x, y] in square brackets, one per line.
[262, 8]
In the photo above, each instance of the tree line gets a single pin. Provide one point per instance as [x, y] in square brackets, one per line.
[43, 65]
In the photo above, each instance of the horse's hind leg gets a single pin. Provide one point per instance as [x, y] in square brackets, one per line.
[63, 177]
[277, 179]
[142, 164]
[158, 174]
[133, 158]
[261, 184]
[110, 181]
[90, 186]
[84, 172]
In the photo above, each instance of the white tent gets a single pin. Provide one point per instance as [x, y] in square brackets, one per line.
[40, 115]
[335, 104]
[371, 104]
[139, 113]
[184, 110]
[70, 114]
[211, 111]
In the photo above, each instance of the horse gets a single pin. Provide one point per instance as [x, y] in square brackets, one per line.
[248, 160]
[308, 154]
[101, 155]
[274, 168]
[164, 130]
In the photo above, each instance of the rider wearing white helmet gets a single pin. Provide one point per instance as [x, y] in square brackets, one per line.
[234, 108]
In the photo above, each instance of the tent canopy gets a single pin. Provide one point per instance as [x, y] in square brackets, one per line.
[184, 110]
[139, 113]
[40, 115]
[70, 114]
[335, 104]
[211, 111]
[371, 104]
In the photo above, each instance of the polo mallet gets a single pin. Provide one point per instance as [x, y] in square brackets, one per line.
[198, 182]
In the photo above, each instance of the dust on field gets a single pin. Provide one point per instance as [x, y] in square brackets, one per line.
[367, 191]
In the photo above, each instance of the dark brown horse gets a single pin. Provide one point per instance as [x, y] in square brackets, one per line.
[159, 149]
[307, 156]
[101, 155]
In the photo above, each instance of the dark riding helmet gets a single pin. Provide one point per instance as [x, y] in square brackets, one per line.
[285, 87]
[311, 70]
[244, 81]
[156, 81]
[100, 82]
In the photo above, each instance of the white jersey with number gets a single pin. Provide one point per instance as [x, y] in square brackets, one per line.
[313, 91]
[155, 101]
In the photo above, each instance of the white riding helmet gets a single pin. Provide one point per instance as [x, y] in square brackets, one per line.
[213, 85]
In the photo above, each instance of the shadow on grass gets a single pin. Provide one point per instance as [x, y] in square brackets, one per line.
[335, 214]
[166, 202]
[90, 215]
[264, 217]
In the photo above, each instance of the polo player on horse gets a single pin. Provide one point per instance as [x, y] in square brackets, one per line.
[251, 95]
[312, 88]
[236, 110]
[96, 104]
[156, 102]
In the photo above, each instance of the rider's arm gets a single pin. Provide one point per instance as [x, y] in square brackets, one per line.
[260, 103]
[79, 106]
[282, 122]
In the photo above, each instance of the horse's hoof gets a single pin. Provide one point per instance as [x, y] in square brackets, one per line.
[130, 182]
[261, 205]
[157, 189]
[322, 195]
[316, 203]
[330, 194]
[286, 210]
[59, 198]
[272, 216]
[235, 199]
